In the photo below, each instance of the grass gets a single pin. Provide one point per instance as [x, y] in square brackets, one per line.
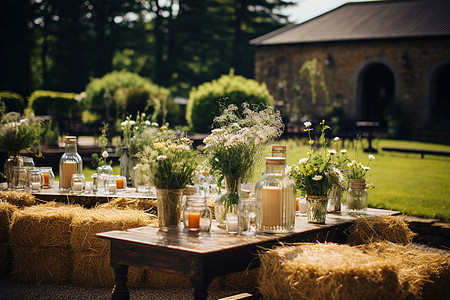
[403, 182]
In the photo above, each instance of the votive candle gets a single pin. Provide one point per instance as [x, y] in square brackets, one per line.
[120, 183]
[194, 220]
[46, 178]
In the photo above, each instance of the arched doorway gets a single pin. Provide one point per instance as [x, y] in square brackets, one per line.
[377, 92]
[440, 98]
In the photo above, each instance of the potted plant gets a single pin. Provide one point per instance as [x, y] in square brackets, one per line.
[357, 187]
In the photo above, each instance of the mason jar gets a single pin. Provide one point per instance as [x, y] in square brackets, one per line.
[357, 196]
[197, 215]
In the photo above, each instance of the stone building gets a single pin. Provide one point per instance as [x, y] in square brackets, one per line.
[382, 61]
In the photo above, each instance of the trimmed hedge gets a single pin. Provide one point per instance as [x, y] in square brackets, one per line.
[206, 100]
[128, 93]
[12, 101]
[53, 103]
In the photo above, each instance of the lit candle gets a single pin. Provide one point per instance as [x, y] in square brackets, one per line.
[46, 178]
[35, 186]
[68, 169]
[77, 186]
[194, 220]
[271, 206]
[297, 207]
[120, 183]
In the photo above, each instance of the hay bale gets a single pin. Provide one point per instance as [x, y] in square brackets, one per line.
[379, 229]
[147, 205]
[5, 258]
[18, 198]
[424, 273]
[38, 265]
[325, 271]
[93, 269]
[43, 226]
[85, 226]
[6, 212]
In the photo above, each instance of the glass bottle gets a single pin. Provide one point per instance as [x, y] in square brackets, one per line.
[197, 215]
[69, 164]
[357, 196]
[278, 151]
[275, 195]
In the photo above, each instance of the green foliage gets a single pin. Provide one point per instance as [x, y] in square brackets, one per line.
[50, 133]
[19, 132]
[205, 100]
[54, 103]
[315, 74]
[125, 93]
[12, 101]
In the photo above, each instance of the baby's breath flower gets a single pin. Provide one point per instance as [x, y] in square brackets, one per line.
[332, 151]
[161, 157]
[371, 157]
[343, 151]
[317, 177]
[307, 124]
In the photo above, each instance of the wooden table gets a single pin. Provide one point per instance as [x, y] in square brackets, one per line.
[206, 255]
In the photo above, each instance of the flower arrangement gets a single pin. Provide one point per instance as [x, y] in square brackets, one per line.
[19, 132]
[169, 162]
[315, 174]
[137, 133]
[357, 170]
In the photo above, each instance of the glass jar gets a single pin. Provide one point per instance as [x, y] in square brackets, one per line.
[227, 202]
[275, 195]
[197, 215]
[316, 209]
[140, 180]
[14, 160]
[78, 183]
[49, 177]
[19, 178]
[110, 184]
[279, 151]
[247, 212]
[121, 183]
[357, 196]
[35, 180]
[69, 164]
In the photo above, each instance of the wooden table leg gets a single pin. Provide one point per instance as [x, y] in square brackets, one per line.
[120, 291]
[200, 284]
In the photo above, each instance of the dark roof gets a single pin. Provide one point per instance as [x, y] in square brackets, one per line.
[368, 20]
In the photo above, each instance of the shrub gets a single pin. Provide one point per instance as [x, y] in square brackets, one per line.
[12, 101]
[54, 103]
[126, 93]
[206, 100]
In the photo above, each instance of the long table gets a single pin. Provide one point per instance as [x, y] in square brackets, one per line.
[203, 256]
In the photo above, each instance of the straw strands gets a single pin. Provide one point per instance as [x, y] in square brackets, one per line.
[378, 229]
[6, 211]
[147, 205]
[18, 198]
[326, 271]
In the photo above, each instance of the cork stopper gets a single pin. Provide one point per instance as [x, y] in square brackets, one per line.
[71, 140]
[275, 160]
[278, 149]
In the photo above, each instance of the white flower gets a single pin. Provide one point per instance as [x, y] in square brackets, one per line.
[303, 161]
[366, 168]
[105, 154]
[343, 151]
[349, 165]
[317, 177]
[332, 151]
[371, 157]
[307, 124]
[147, 123]
[155, 124]
[337, 139]
[216, 159]
[161, 157]
[132, 122]
[123, 124]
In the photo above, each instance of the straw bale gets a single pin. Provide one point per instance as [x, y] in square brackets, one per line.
[423, 272]
[325, 271]
[43, 226]
[6, 211]
[378, 229]
[5, 258]
[147, 205]
[93, 269]
[85, 226]
[38, 265]
[18, 198]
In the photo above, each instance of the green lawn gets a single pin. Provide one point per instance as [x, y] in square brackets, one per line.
[404, 182]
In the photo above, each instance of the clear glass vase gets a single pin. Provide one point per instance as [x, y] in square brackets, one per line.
[126, 165]
[357, 196]
[227, 202]
[169, 208]
[14, 160]
[335, 198]
[316, 209]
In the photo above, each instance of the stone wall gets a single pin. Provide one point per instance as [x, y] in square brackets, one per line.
[412, 63]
